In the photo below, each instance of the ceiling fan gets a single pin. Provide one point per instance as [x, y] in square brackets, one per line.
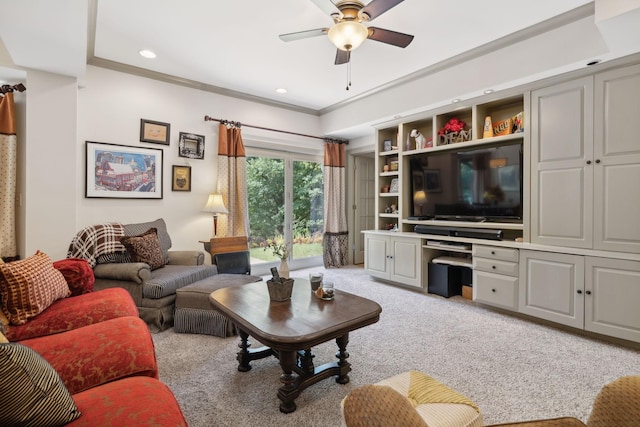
[349, 31]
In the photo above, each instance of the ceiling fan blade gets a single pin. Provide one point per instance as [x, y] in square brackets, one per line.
[378, 7]
[303, 34]
[327, 6]
[342, 56]
[390, 37]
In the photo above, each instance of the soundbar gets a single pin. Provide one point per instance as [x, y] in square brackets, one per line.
[472, 233]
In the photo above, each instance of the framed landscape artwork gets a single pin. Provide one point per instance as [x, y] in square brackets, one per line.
[123, 172]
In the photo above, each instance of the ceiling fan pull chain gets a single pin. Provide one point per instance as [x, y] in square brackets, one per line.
[348, 75]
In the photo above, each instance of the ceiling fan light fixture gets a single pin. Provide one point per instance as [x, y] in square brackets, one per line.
[348, 35]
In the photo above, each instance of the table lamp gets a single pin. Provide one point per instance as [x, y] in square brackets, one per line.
[215, 205]
[420, 198]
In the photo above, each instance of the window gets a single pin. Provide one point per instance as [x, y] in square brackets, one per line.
[285, 204]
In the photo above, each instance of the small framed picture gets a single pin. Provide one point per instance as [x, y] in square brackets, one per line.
[386, 145]
[394, 187]
[181, 178]
[155, 132]
[191, 145]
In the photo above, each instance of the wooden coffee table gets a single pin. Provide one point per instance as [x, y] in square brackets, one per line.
[291, 328]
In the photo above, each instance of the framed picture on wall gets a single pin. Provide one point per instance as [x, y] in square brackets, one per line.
[191, 145]
[181, 178]
[155, 132]
[123, 172]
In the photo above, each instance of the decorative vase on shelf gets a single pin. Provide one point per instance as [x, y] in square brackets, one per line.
[284, 269]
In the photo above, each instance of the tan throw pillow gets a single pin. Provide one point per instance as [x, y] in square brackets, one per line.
[379, 406]
[145, 248]
[30, 286]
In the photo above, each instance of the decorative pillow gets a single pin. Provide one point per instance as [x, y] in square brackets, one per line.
[163, 234]
[379, 406]
[145, 248]
[29, 286]
[32, 392]
[3, 339]
[78, 274]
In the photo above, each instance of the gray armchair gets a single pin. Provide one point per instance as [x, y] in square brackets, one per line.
[154, 291]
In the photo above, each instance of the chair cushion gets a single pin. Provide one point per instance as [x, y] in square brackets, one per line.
[135, 401]
[145, 248]
[32, 392]
[379, 406]
[97, 354]
[75, 312]
[29, 286]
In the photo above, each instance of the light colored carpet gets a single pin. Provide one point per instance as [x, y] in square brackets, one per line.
[512, 368]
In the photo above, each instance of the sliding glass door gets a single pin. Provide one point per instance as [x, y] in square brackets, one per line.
[285, 205]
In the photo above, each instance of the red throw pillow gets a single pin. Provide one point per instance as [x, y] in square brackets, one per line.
[78, 274]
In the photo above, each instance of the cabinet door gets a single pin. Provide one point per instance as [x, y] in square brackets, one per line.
[406, 261]
[376, 251]
[561, 179]
[617, 160]
[612, 290]
[552, 287]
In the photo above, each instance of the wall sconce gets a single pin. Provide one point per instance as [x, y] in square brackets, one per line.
[215, 205]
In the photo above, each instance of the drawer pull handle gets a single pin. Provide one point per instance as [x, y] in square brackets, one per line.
[493, 252]
[493, 267]
[579, 291]
[588, 292]
[493, 290]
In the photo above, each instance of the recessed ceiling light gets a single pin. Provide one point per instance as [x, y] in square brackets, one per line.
[281, 90]
[488, 91]
[453, 101]
[147, 53]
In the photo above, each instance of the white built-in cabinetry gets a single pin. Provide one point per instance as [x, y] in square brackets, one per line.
[585, 160]
[586, 292]
[578, 260]
[394, 258]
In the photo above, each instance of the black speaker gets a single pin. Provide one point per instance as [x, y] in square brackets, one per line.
[478, 233]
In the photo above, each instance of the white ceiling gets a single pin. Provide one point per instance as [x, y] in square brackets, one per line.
[233, 48]
[234, 44]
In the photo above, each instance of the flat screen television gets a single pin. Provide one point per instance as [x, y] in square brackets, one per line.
[482, 184]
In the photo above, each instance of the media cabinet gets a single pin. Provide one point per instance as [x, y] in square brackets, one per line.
[574, 259]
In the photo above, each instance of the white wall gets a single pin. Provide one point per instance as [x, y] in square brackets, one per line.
[108, 107]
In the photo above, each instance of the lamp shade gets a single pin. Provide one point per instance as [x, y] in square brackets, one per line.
[348, 35]
[215, 204]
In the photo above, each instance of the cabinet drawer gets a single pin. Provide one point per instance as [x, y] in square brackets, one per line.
[494, 289]
[495, 266]
[493, 252]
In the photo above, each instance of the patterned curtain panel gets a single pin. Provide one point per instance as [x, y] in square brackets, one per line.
[335, 214]
[232, 182]
[8, 150]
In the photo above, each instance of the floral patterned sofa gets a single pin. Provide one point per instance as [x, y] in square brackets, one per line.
[82, 360]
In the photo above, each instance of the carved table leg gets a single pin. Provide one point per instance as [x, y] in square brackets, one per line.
[243, 356]
[306, 361]
[342, 355]
[289, 390]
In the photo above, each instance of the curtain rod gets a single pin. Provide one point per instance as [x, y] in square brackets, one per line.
[10, 88]
[238, 124]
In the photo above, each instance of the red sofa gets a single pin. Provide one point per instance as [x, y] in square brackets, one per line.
[85, 360]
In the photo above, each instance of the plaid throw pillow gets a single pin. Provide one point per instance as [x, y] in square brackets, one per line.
[29, 286]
